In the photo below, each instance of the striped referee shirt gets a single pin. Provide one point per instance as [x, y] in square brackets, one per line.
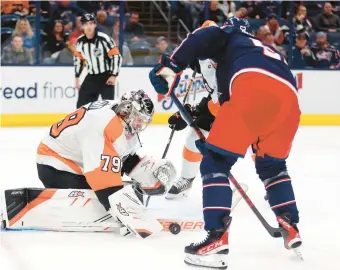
[100, 54]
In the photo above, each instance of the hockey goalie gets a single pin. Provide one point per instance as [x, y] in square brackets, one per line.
[81, 162]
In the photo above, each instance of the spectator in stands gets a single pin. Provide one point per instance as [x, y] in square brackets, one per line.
[78, 30]
[241, 13]
[214, 14]
[324, 54]
[16, 53]
[10, 7]
[301, 54]
[20, 10]
[66, 55]
[102, 23]
[269, 38]
[67, 12]
[261, 32]
[23, 28]
[56, 41]
[253, 10]
[162, 46]
[127, 57]
[228, 8]
[327, 21]
[301, 19]
[275, 29]
[134, 30]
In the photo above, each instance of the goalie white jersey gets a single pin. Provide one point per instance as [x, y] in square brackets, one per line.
[91, 142]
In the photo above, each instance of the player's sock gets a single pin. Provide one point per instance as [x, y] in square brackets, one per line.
[274, 175]
[213, 250]
[217, 194]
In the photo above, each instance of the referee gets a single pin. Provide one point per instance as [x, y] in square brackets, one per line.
[103, 60]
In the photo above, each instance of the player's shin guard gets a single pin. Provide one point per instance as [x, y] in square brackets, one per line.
[217, 194]
[213, 250]
[278, 184]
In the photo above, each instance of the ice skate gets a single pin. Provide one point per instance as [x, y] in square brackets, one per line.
[180, 188]
[213, 251]
[290, 234]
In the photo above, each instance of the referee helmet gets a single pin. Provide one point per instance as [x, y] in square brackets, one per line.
[88, 18]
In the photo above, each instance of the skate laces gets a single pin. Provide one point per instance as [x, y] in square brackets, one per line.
[183, 183]
[202, 241]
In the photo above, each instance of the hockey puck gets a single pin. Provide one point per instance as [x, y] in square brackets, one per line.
[175, 228]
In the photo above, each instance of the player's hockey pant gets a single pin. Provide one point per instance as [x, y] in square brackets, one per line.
[217, 194]
[53, 178]
[277, 182]
[94, 85]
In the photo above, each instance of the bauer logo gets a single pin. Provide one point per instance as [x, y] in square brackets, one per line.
[121, 210]
[76, 194]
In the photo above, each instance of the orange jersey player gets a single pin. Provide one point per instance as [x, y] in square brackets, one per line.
[92, 147]
[204, 112]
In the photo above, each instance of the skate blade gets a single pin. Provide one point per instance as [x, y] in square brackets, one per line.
[176, 196]
[213, 261]
[298, 252]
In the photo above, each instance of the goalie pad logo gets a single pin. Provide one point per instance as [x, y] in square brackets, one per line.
[76, 194]
[121, 210]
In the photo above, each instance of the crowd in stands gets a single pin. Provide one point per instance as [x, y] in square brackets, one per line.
[316, 29]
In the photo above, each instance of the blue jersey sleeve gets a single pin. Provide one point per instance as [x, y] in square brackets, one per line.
[203, 43]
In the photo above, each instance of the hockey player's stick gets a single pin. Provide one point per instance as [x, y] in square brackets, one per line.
[274, 232]
[173, 129]
[184, 100]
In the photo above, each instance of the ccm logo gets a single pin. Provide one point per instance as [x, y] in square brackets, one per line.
[284, 223]
[210, 247]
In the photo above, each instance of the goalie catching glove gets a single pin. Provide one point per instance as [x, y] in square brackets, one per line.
[153, 176]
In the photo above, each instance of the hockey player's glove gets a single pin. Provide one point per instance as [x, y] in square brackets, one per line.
[204, 117]
[200, 113]
[176, 121]
[165, 76]
[195, 65]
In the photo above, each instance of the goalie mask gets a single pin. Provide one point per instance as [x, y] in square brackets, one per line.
[136, 109]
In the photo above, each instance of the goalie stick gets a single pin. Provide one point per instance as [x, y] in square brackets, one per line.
[173, 129]
[274, 232]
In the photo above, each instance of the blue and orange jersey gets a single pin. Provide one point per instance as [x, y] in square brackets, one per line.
[235, 51]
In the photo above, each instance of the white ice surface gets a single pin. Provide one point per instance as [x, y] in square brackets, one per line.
[314, 166]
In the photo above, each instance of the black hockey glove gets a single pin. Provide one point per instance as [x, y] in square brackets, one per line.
[200, 113]
[176, 121]
[204, 118]
[195, 65]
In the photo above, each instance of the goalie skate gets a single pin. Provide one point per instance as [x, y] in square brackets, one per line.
[180, 188]
[213, 251]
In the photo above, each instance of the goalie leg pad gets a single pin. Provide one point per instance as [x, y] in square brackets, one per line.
[130, 211]
[55, 210]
